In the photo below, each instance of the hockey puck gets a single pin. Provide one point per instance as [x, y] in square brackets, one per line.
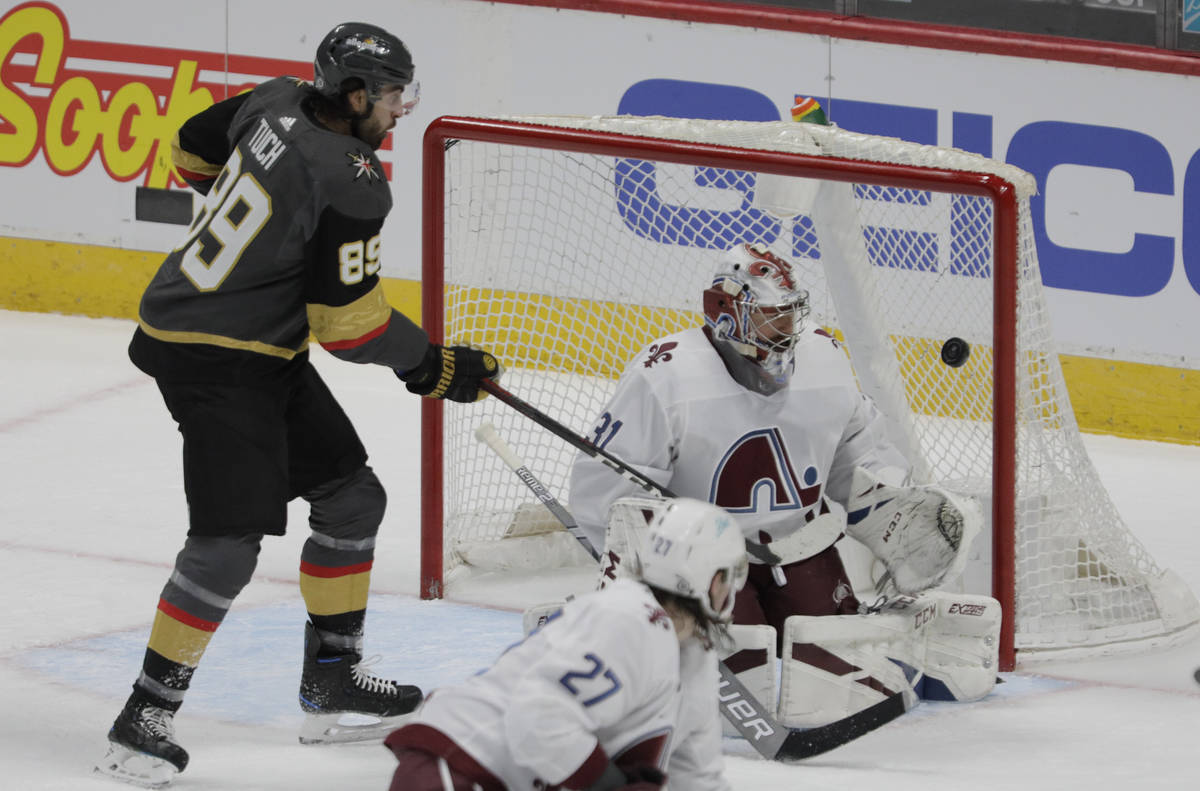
[1196, 675]
[955, 352]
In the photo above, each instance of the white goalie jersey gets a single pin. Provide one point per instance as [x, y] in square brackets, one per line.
[773, 460]
[609, 673]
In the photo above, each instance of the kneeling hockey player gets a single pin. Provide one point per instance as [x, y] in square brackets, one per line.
[612, 692]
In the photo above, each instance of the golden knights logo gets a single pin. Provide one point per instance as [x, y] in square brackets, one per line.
[363, 165]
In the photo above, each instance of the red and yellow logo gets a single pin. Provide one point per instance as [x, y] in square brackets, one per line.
[72, 101]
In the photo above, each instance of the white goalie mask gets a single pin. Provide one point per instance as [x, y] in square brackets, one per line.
[756, 304]
[686, 545]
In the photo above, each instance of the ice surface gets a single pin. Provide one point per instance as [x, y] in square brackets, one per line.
[92, 513]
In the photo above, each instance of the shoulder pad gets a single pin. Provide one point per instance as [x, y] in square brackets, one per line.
[343, 167]
[353, 179]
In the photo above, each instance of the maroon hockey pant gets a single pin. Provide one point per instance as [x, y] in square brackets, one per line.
[815, 586]
[419, 771]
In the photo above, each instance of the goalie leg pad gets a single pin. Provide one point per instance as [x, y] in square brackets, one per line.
[922, 534]
[837, 665]
[752, 660]
[962, 646]
[627, 521]
[539, 615]
[956, 639]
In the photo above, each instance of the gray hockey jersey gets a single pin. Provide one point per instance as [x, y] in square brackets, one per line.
[287, 243]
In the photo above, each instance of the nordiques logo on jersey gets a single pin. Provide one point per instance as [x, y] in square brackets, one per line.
[756, 474]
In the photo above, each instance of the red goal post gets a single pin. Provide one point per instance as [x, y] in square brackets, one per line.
[467, 201]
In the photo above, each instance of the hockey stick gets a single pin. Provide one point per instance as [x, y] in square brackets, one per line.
[564, 433]
[753, 722]
[759, 551]
[487, 434]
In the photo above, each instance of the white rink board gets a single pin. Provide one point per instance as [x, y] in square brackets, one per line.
[1121, 238]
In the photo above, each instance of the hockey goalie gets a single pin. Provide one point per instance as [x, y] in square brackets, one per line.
[760, 413]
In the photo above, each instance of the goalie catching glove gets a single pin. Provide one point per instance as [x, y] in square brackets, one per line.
[453, 372]
[921, 534]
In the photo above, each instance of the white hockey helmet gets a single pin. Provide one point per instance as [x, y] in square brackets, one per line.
[756, 304]
[687, 544]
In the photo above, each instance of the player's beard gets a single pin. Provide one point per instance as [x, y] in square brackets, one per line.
[370, 130]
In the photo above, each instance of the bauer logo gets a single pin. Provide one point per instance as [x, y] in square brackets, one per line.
[744, 713]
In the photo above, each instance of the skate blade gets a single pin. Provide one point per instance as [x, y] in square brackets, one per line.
[348, 727]
[139, 769]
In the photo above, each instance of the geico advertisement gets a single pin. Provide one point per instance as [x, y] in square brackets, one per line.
[88, 110]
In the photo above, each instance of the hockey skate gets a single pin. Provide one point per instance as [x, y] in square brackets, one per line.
[142, 748]
[346, 703]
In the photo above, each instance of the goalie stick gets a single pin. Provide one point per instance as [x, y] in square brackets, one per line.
[759, 551]
[746, 713]
[564, 433]
[487, 434]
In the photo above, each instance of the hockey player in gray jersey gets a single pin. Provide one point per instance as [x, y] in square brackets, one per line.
[287, 244]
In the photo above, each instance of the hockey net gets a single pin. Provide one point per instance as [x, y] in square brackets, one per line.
[565, 245]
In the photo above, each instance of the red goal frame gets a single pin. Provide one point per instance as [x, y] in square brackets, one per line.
[1002, 193]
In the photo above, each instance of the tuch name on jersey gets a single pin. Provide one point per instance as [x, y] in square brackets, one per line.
[266, 145]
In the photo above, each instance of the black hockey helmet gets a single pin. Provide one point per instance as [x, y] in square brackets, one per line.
[370, 53]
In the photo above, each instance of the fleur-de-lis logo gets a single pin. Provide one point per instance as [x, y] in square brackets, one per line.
[660, 353]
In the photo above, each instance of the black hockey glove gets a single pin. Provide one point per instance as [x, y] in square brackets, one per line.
[452, 372]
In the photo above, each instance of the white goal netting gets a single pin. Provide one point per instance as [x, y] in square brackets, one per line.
[565, 264]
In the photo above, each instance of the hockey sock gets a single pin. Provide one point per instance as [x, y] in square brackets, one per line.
[208, 575]
[335, 563]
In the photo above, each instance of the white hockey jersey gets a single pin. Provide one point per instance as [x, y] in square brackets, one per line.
[679, 417]
[608, 671]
